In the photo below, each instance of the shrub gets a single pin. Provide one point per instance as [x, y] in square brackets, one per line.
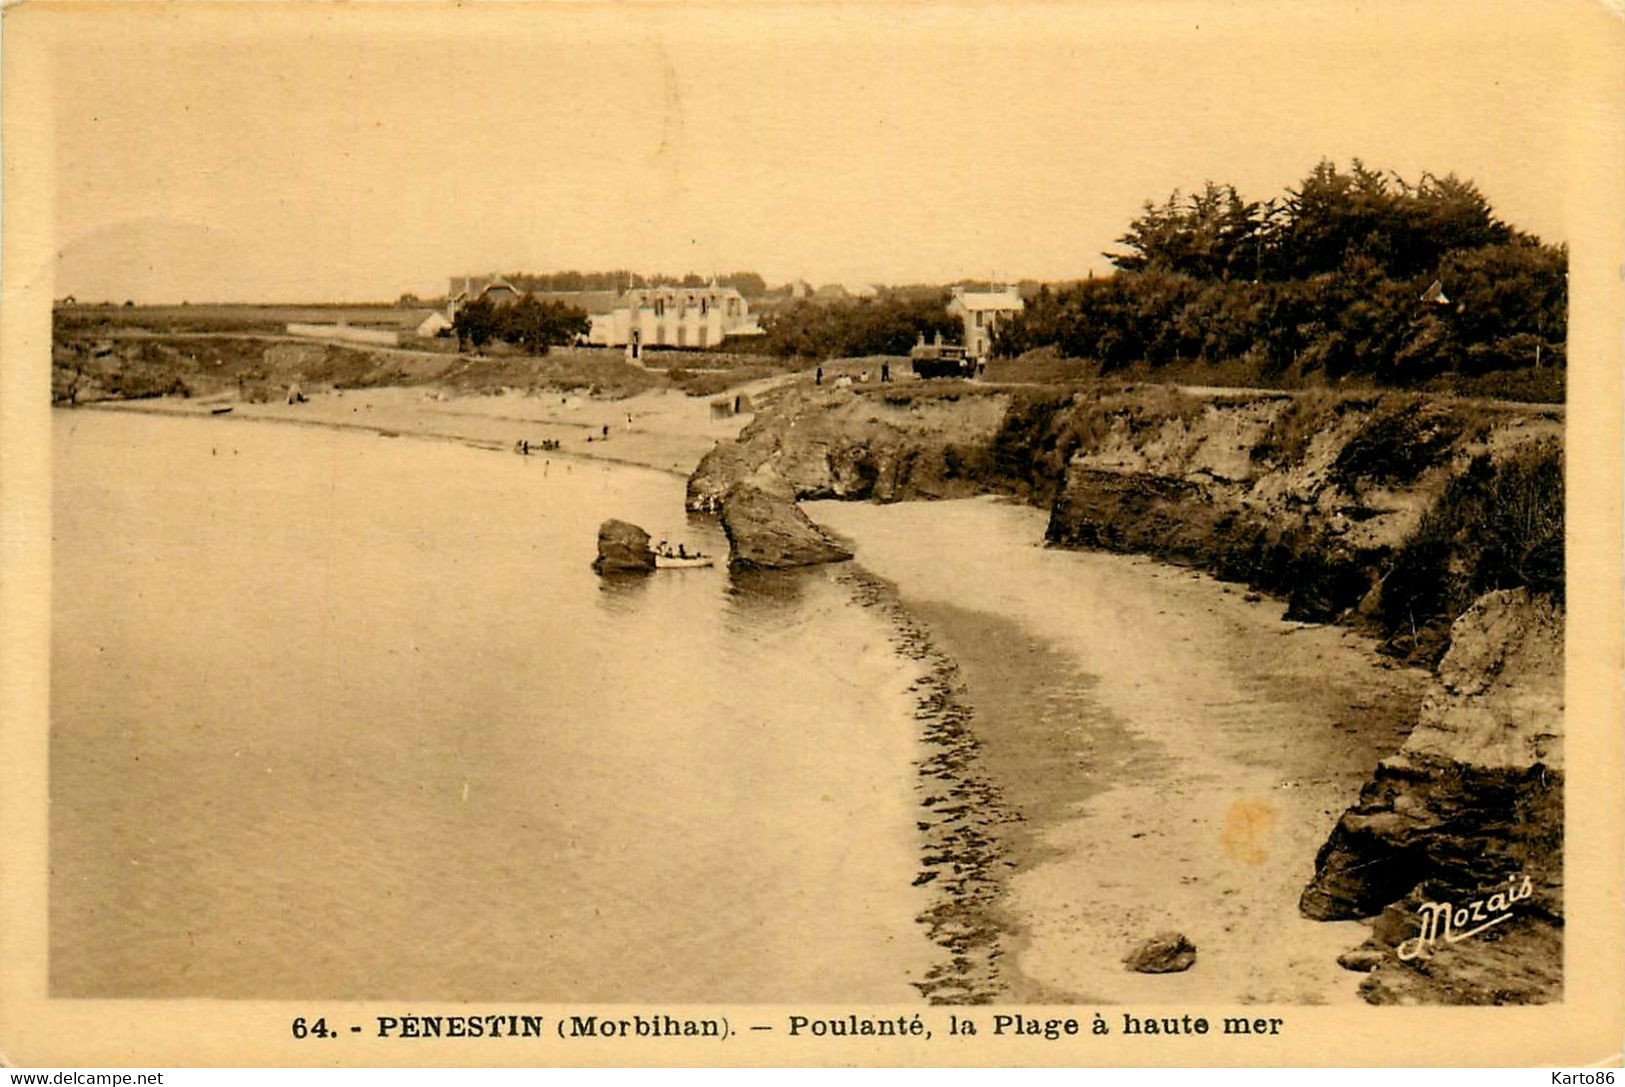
[1497, 526]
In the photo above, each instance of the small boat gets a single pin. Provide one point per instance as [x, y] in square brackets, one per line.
[220, 411]
[668, 557]
[682, 562]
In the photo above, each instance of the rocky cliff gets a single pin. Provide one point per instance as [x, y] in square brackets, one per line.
[881, 442]
[1392, 512]
[1432, 523]
[1469, 810]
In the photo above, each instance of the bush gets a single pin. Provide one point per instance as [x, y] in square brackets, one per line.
[1497, 526]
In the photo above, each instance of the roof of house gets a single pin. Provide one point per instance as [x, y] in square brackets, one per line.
[590, 301]
[989, 300]
[1435, 293]
[673, 290]
[478, 286]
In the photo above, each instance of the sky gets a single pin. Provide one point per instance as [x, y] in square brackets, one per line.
[355, 152]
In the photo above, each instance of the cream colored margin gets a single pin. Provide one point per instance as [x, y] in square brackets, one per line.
[1585, 1028]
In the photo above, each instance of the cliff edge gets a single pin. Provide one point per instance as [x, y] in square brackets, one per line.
[1431, 523]
[1468, 813]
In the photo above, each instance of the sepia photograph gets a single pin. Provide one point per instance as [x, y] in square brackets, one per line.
[576, 533]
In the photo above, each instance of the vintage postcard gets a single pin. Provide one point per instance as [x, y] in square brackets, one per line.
[811, 534]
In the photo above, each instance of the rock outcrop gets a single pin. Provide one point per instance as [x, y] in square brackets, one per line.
[1392, 512]
[881, 443]
[1472, 804]
[1387, 511]
[623, 548]
[1341, 504]
[767, 530]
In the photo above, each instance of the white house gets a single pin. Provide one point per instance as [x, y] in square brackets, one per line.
[981, 312]
[668, 316]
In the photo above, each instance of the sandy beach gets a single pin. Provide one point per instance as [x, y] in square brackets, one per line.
[1176, 752]
[661, 429]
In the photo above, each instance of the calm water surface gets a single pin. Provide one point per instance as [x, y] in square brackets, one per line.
[342, 716]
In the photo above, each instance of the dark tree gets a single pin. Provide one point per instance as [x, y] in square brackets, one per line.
[475, 324]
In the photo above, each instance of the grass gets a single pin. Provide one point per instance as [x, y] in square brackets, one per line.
[1401, 439]
[711, 382]
[226, 318]
[1499, 525]
[1287, 440]
[692, 361]
[92, 361]
[1544, 386]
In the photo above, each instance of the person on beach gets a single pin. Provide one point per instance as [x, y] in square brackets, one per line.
[885, 371]
[818, 376]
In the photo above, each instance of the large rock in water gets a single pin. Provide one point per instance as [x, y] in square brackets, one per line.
[622, 548]
[767, 530]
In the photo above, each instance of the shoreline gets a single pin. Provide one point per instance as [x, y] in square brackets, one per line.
[668, 431]
[1192, 800]
[1003, 689]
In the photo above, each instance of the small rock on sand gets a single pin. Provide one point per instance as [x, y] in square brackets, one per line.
[1164, 953]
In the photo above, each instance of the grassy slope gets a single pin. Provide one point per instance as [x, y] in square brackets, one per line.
[136, 352]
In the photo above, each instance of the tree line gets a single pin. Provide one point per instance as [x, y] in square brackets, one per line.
[1353, 272]
[887, 324]
[527, 323]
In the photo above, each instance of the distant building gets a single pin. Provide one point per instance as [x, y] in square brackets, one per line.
[434, 324]
[981, 312]
[467, 288]
[667, 316]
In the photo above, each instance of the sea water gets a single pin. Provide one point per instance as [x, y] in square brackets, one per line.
[349, 716]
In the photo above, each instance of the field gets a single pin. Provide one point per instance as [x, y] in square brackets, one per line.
[135, 352]
[229, 317]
